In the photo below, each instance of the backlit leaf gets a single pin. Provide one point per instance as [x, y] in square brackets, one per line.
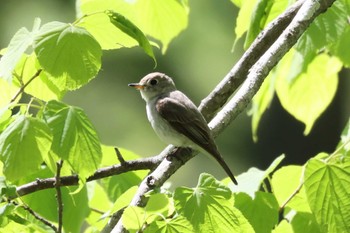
[209, 207]
[328, 191]
[309, 94]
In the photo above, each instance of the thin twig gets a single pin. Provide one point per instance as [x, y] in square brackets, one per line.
[97, 210]
[296, 191]
[119, 156]
[59, 196]
[37, 216]
[25, 85]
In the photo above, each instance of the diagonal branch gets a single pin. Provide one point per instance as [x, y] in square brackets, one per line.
[235, 77]
[256, 72]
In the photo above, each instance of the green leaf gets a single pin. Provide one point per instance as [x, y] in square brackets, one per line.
[6, 190]
[261, 212]
[209, 207]
[328, 191]
[68, 53]
[162, 20]
[132, 30]
[285, 181]
[309, 94]
[332, 25]
[257, 21]
[124, 199]
[277, 8]
[98, 201]
[41, 86]
[284, 227]
[133, 218]
[74, 137]
[7, 92]
[243, 18]
[18, 45]
[99, 24]
[23, 144]
[116, 185]
[250, 181]
[261, 102]
[158, 205]
[341, 48]
[304, 223]
[343, 147]
[179, 224]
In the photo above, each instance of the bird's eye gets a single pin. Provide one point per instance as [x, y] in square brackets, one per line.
[153, 82]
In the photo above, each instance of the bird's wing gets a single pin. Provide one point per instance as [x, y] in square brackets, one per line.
[185, 118]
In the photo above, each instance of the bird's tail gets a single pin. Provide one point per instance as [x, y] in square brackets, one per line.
[217, 156]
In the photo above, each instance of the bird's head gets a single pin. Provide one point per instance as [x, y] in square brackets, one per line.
[154, 84]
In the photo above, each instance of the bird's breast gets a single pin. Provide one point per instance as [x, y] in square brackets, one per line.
[162, 128]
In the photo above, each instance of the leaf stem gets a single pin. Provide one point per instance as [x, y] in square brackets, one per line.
[77, 21]
[296, 191]
[20, 91]
[337, 150]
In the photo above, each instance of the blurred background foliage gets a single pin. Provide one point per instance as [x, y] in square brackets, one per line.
[197, 60]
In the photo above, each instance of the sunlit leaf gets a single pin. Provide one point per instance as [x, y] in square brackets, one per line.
[308, 95]
[209, 207]
[132, 30]
[74, 137]
[283, 227]
[68, 53]
[261, 102]
[162, 20]
[23, 144]
[7, 92]
[39, 86]
[257, 20]
[328, 191]
[285, 181]
[179, 224]
[18, 45]
[261, 212]
[133, 218]
[250, 181]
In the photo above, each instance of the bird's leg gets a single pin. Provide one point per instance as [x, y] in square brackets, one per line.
[176, 153]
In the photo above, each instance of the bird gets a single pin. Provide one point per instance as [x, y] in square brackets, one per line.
[176, 119]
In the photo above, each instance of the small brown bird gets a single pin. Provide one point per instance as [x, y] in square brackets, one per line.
[175, 118]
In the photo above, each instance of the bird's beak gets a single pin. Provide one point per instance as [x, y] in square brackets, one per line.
[137, 86]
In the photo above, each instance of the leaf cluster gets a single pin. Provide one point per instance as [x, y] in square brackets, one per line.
[42, 137]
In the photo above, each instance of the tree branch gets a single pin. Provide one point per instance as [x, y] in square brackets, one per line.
[230, 83]
[37, 216]
[257, 69]
[133, 165]
[59, 196]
